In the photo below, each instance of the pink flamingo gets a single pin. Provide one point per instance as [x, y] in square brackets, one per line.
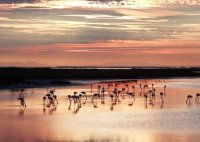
[83, 94]
[132, 95]
[75, 98]
[197, 98]
[95, 96]
[21, 98]
[165, 90]
[102, 95]
[161, 96]
[189, 99]
[141, 90]
[111, 96]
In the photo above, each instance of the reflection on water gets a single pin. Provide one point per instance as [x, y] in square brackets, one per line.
[21, 111]
[111, 120]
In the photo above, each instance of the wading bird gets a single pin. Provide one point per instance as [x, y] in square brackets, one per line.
[189, 99]
[21, 98]
[197, 98]
[76, 99]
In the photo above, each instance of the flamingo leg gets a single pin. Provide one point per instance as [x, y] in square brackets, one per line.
[70, 102]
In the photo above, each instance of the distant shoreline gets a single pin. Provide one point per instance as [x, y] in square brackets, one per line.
[17, 75]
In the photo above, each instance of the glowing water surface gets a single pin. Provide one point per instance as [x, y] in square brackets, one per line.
[173, 120]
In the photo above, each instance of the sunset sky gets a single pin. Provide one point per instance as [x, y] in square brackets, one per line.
[99, 32]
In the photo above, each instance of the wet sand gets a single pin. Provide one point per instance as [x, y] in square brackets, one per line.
[173, 120]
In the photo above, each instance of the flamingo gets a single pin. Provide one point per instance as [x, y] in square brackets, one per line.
[145, 96]
[150, 97]
[141, 90]
[99, 89]
[189, 99]
[123, 93]
[197, 98]
[161, 96]
[21, 98]
[152, 86]
[133, 89]
[165, 90]
[154, 94]
[83, 94]
[75, 98]
[145, 99]
[132, 95]
[127, 86]
[116, 95]
[111, 96]
[102, 95]
[91, 88]
[95, 96]
[52, 98]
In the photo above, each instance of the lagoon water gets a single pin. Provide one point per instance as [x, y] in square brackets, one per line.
[173, 120]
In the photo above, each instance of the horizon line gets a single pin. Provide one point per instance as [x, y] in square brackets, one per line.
[123, 67]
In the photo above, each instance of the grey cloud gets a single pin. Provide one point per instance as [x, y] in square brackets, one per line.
[12, 38]
[14, 32]
[57, 13]
[21, 64]
[18, 1]
[109, 3]
[105, 0]
[157, 3]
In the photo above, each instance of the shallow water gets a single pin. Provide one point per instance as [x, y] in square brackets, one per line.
[173, 120]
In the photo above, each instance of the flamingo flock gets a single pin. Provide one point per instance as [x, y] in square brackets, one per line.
[50, 100]
[115, 92]
[189, 98]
